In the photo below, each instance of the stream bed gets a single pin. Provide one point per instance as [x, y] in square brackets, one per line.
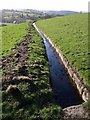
[65, 92]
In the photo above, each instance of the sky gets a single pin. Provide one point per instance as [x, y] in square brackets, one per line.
[73, 5]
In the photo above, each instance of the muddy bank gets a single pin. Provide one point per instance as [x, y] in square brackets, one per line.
[16, 63]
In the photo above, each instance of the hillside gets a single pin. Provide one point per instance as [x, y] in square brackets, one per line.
[26, 85]
[70, 34]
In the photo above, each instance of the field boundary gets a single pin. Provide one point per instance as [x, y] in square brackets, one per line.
[80, 85]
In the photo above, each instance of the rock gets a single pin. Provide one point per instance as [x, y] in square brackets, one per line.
[75, 113]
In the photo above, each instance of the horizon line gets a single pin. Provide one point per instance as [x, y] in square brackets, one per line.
[41, 10]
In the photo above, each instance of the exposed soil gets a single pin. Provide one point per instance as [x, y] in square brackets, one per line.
[16, 63]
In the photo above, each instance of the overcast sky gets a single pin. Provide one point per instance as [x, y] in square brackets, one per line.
[74, 5]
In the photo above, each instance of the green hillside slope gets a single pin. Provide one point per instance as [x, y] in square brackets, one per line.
[70, 34]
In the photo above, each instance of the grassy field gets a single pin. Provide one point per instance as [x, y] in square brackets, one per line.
[70, 34]
[11, 35]
[35, 98]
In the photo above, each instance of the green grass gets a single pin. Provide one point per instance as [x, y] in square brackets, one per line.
[37, 101]
[11, 35]
[70, 34]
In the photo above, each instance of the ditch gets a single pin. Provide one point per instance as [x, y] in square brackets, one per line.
[65, 92]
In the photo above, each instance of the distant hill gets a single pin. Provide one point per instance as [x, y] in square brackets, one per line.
[8, 16]
[58, 13]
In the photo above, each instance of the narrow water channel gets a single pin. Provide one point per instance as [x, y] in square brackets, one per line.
[65, 92]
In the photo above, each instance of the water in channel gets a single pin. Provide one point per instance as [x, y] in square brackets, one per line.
[65, 92]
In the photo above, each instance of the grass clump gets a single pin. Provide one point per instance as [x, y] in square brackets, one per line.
[51, 113]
